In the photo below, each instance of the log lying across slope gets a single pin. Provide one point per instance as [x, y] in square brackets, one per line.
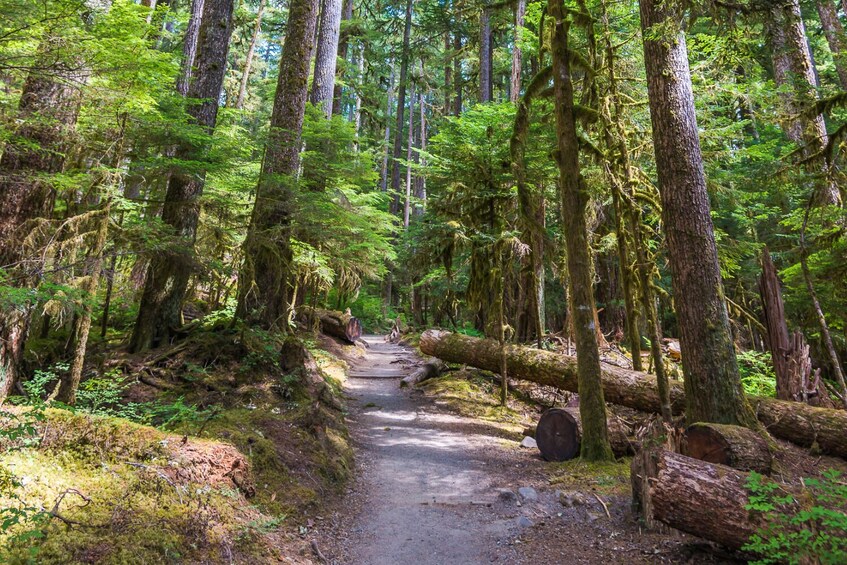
[805, 425]
[700, 498]
[341, 325]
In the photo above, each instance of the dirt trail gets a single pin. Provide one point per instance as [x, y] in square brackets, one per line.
[428, 481]
[434, 488]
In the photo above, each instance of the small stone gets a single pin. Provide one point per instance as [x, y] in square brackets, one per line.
[528, 493]
[524, 522]
[571, 499]
[506, 495]
[529, 443]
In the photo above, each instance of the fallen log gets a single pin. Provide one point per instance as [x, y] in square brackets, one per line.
[341, 325]
[428, 370]
[821, 429]
[733, 446]
[559, 435]
[696, 497]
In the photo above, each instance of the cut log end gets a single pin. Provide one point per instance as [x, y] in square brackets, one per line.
[558, 435]
[733, 446]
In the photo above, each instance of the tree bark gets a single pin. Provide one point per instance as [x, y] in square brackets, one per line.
[517, 56]
[793, 68]
[835, 37]
[458, 81]
[485, 86]
[343, 48]
[448, 75]
[341, 325]
[428, 370]
[410, 145]
[166, 283]
[387, 139]
[821, 429]
[702, 499]
[400, 117]
[326, 57]
[574, 199]
[263, 294]
[189, 46]
[712, 384]
[733, 446]
[47, 111]
[788, 379]
[68, 385]
[248, 64]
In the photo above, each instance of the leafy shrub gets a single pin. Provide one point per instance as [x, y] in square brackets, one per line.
[811, 530]
[757, 374]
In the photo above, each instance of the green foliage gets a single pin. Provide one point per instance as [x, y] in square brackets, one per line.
[757, 374]
[808, 528]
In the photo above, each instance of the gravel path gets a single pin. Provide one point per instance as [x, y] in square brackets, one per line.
[433, 488]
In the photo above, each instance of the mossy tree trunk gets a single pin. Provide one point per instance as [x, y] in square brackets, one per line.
[574, 199]
[517, 55]
[793, 70]
[263, 292]
[166, 283]
[835, 37]
[47, 111]
[712, 384]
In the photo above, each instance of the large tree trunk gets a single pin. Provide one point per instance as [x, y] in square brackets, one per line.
[834, 32]
[189, 46]
[400, 117]
[47, 111]
[387, 138]
[160, 310]
[263, 292]
[793, 69]
[822, 429]
[574, 200]
[712, 385]
[248, 63]
[485, 85]
[326, 58]
[343, 48]
[517, 62]
[703, 499]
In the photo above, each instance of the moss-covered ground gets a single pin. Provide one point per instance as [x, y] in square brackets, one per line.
[100, 489]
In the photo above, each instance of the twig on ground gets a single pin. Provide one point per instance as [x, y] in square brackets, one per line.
[606, 508]
[321, 557]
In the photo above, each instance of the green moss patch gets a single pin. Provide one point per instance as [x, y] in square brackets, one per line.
[611, 478]
[471, 393]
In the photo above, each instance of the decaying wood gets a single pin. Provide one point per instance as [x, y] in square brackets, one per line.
[341, 325]
[790, 353]
[821, 429]
[700, 498]
[428, 370]
[559, 435]
[733, 446]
